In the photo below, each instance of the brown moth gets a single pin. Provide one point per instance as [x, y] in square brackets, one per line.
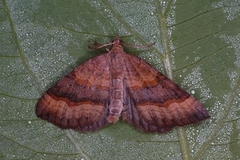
[114, 85]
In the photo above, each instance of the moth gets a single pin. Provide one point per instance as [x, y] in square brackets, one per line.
[118, 85]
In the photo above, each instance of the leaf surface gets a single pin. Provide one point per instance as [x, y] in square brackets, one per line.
[197, 45]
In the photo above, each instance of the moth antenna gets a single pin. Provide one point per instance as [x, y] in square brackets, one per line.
[97, 45]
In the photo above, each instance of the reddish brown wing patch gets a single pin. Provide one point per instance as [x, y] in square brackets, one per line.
[155, 103]
[78, 100]
[117, 84]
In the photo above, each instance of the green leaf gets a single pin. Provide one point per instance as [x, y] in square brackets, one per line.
[197, 45]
